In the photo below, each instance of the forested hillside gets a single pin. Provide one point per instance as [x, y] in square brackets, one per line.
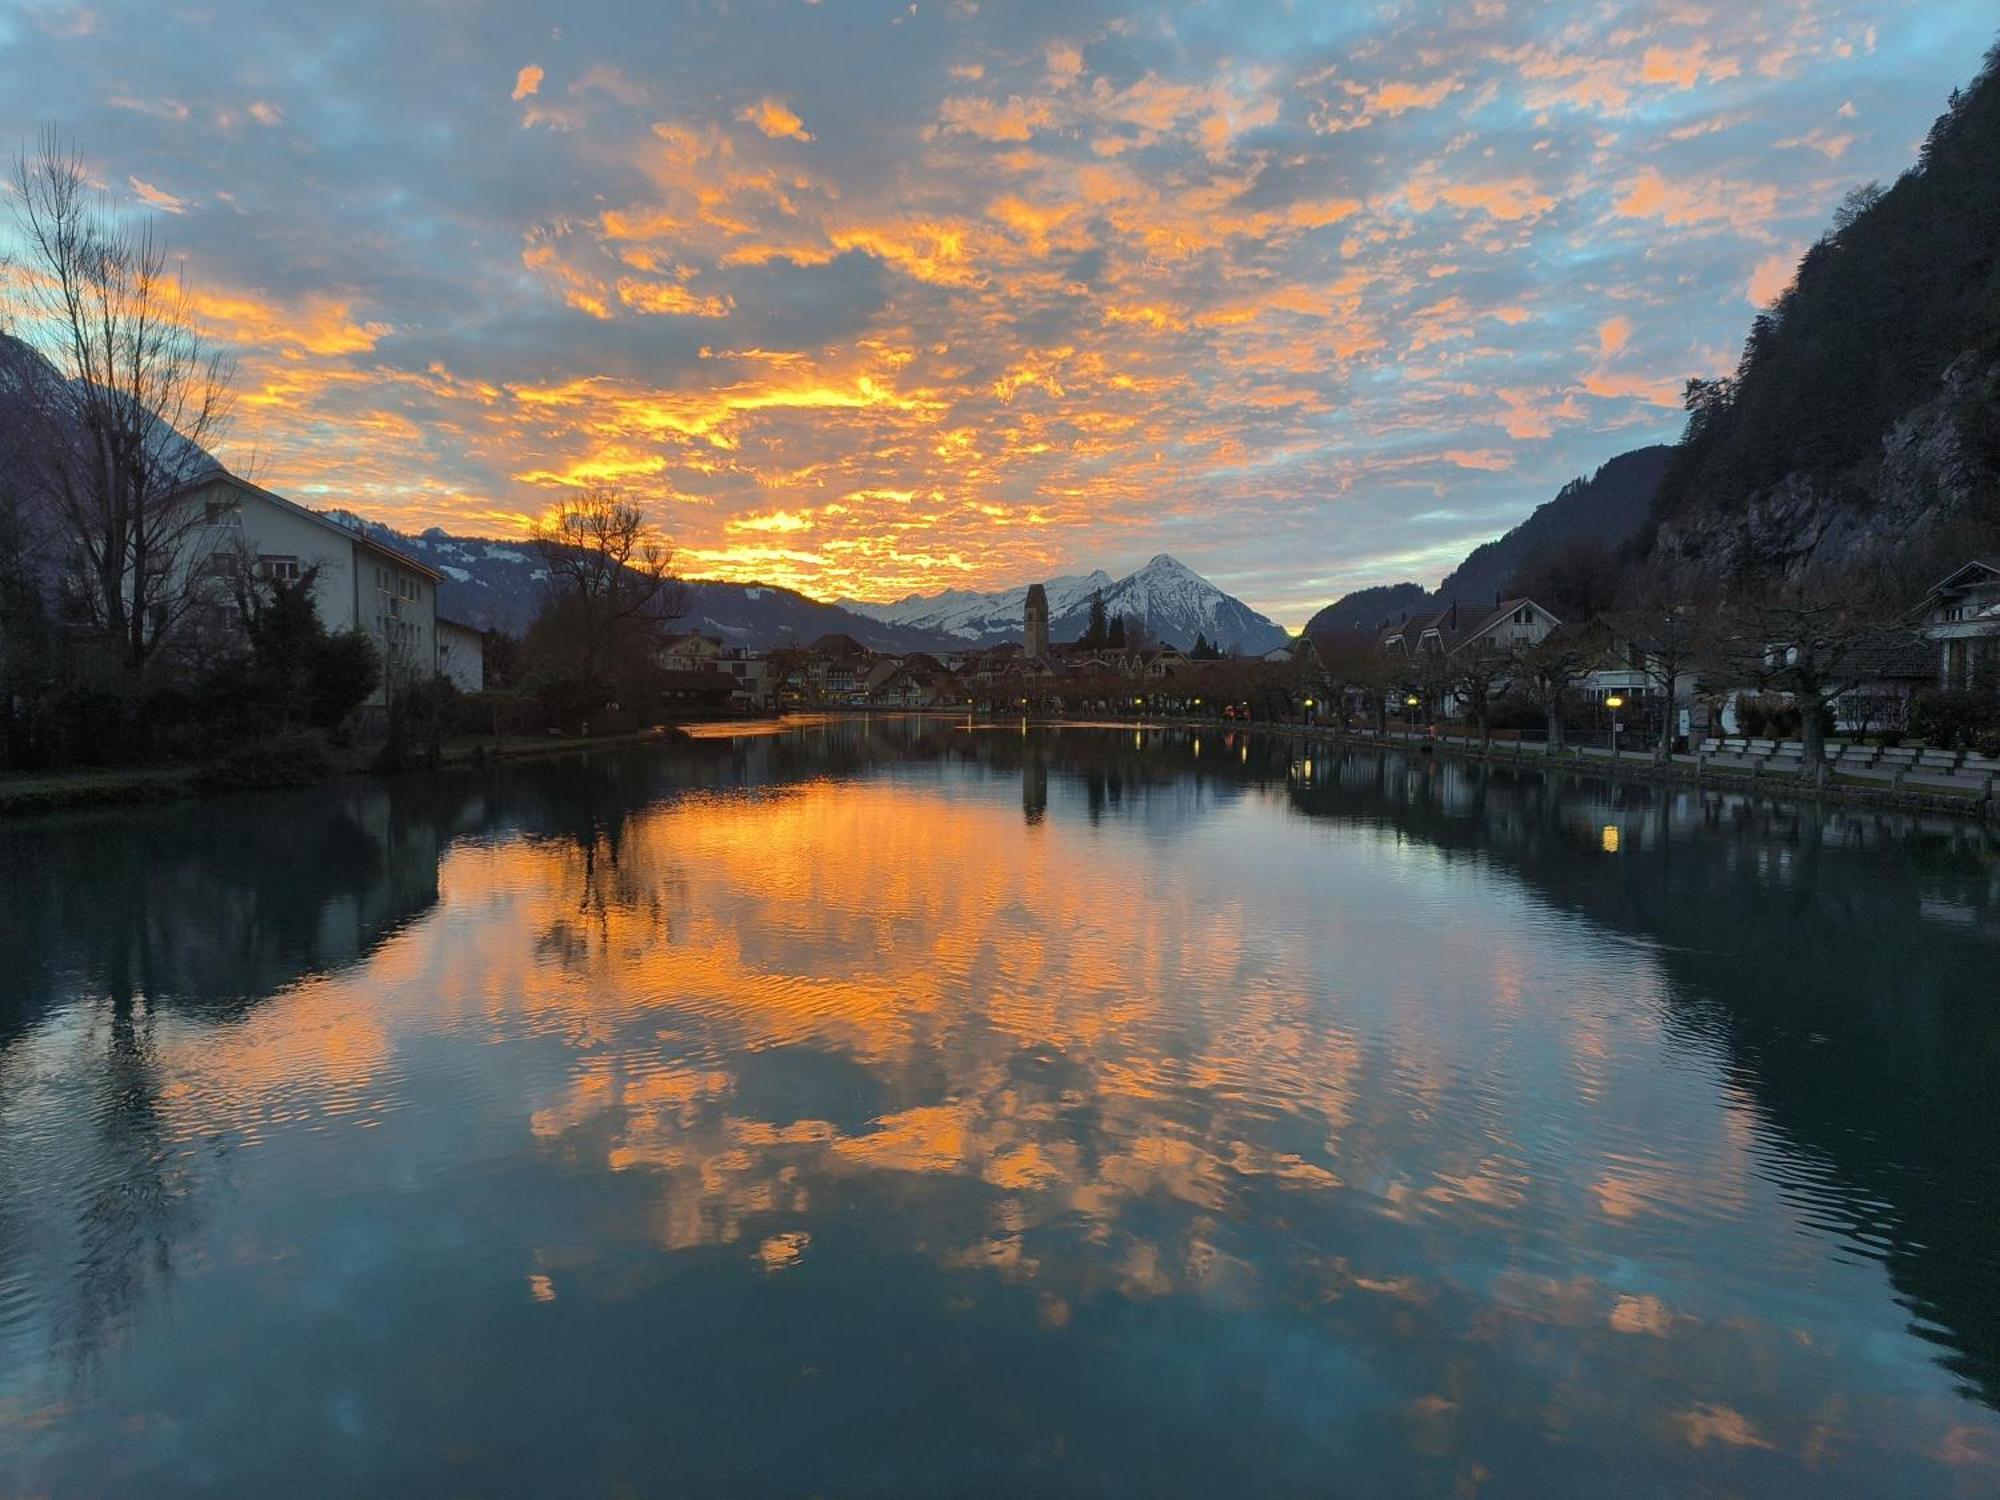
[1866, 407]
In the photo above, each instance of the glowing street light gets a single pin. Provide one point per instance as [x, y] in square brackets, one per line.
[1614, 702]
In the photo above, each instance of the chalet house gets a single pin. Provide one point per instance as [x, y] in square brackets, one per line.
[358, 583]
[914, 682]
[1960, 616]
[1434, 631]
[690, 652]
[1515, 624]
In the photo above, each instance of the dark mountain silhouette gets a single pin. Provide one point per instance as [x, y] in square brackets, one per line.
[1608, 510]
[1864, 415]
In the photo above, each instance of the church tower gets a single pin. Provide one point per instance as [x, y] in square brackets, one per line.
[1035, 627]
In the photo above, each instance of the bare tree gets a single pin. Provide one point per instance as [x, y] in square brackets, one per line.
[136, 397]
[1475, 676]
[1666, 636]
[1817, 638]
[612, 589]
[1544, 671]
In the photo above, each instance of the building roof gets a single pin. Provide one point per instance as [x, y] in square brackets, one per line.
[1894, 656]
[1499, 615]
[837, 643]
[359, 538]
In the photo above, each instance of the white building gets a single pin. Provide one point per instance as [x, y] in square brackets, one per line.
[1961, 616]
[461, 655]
[358, 584]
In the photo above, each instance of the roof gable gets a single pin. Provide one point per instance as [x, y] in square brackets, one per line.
[271, 497]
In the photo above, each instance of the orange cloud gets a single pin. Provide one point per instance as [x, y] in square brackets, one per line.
[1746, 207]
[528, 82]
[1770, 279]
[1016, 119]
[775, 119]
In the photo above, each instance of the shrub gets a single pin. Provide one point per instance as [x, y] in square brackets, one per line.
[1767, 716]
[421, 712]
[286, 758]
[343, 669]
[1955, 718]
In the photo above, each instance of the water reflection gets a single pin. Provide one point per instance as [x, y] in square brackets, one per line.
[1077, 1107]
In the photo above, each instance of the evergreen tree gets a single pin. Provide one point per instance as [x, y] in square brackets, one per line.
[1116, 637]
[1097, 634]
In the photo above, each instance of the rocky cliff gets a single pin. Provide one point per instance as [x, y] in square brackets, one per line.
[1936, 467]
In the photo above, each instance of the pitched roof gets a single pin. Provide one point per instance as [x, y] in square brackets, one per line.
[1501, 611]
[359, 538]
[836, 643]
[1895, 656]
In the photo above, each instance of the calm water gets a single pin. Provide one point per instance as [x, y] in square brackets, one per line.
[888, 1108]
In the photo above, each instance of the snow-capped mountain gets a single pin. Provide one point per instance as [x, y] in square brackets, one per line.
[1170, 599]
[978, 618]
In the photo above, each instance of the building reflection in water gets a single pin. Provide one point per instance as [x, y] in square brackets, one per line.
[1457, 1090]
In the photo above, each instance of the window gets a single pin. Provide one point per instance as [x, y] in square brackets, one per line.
[223, 513]
[280, 569]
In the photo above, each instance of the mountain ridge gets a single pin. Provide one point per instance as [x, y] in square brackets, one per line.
[1610, 508]
[495, 583]
[1167, 597]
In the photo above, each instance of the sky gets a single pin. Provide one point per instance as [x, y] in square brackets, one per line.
[870, 299]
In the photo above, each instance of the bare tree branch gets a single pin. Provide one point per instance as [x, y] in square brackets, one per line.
[136, 396]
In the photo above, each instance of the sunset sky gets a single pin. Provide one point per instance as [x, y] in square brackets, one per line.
[868, 298]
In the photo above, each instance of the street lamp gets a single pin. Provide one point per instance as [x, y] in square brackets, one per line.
[1614, 702]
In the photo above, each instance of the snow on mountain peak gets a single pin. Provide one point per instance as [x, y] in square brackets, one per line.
[1169, 598]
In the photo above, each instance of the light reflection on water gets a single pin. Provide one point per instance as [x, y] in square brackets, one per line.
[881, 1108]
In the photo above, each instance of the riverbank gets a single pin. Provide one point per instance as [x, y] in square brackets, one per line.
[1970, 801]
[27, 794]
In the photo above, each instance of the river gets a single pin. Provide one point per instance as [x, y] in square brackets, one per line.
[900, 1106]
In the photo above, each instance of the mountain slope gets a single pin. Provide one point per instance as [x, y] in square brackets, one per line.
[1607, 510]
[1170, 599]
[1864, 414]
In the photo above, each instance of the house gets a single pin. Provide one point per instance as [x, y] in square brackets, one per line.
[690, 652]
[1960, 616]
[1890, 667]
[914, 682]
[1513, 625]
[756, 689]
[359, 584]
[1434, 631]
[461, 655]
